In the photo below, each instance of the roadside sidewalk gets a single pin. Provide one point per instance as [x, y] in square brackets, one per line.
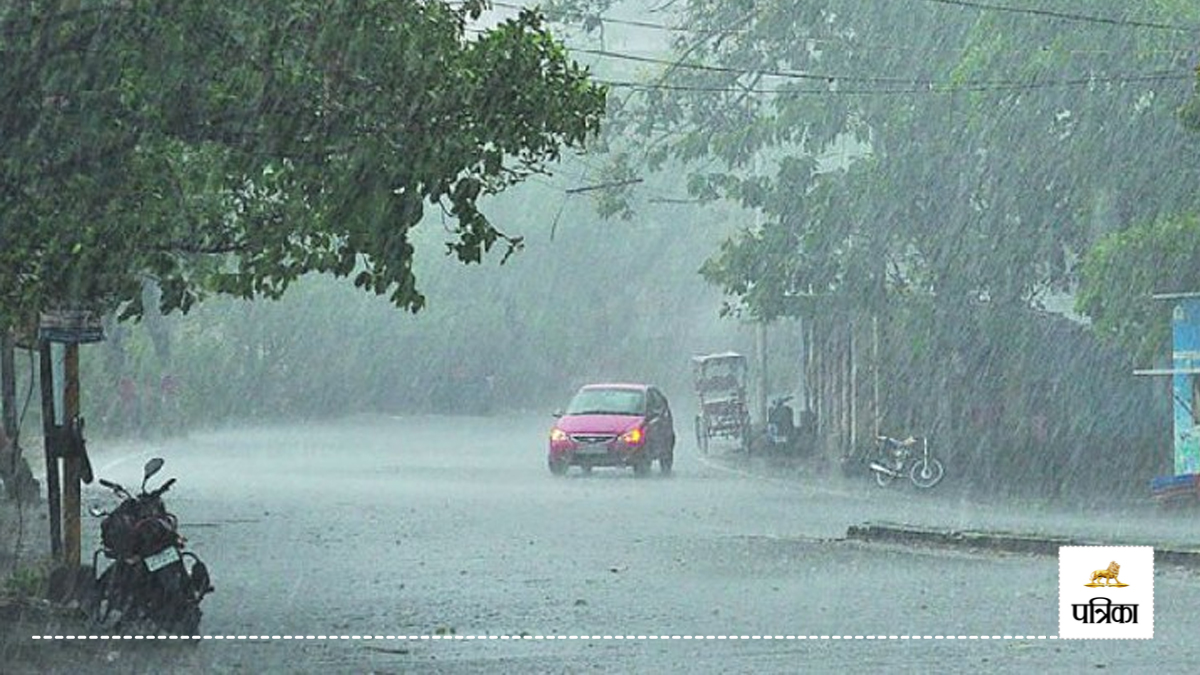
[950, 516]
[24, 536]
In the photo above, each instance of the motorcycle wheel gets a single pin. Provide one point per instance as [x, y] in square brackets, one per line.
[927, 473]
[187, 622]
[179, 611]
[114, 595]
[94, 599]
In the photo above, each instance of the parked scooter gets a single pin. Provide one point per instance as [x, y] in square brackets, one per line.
[151, 582]
[782, 432]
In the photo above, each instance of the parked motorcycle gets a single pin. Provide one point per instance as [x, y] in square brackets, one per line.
[150, 579]
[895, 459]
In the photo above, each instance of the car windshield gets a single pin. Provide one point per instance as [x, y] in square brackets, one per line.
[608, 402]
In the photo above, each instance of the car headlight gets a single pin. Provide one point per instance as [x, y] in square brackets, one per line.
[634, 436]
[558, 435]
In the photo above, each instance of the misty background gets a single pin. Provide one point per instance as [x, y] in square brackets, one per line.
[592, 300]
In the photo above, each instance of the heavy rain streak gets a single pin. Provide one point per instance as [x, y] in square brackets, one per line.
[600, 335]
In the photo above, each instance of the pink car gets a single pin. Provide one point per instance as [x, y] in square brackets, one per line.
[614, 425]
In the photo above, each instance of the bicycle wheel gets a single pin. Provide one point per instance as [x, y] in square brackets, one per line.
[927, 473]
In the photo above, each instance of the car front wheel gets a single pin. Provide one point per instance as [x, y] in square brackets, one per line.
[641, 466]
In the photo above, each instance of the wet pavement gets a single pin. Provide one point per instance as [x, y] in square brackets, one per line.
[444, 545]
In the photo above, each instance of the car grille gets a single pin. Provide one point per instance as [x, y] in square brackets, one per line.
[592, 439]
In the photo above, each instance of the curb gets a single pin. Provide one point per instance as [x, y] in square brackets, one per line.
[1006, 542]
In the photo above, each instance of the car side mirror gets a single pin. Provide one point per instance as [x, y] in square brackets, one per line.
[557, 413]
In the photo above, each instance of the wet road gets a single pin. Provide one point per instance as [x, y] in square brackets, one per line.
[451, 532]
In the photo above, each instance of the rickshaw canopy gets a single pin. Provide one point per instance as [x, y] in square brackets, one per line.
[724, 371]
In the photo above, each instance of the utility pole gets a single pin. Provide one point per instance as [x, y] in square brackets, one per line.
[65, 440]
[10, 452]
[762, 325]
[50, 436]
[72, 460]
[875, 412]
[8, 386]
[762, 371]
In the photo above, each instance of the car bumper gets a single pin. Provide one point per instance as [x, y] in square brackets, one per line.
[597, 456]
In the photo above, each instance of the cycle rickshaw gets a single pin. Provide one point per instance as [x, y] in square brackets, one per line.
[720, 382]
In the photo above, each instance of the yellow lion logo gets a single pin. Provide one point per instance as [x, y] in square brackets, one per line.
[1109, 575]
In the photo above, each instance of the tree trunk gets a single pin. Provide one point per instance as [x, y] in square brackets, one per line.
[14, 469]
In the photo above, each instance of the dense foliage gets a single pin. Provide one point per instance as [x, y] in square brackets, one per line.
[973, 151]
[1123, 272]
[235, 146]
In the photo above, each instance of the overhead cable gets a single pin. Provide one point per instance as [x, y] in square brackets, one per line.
[903, 84]
[1069, 16]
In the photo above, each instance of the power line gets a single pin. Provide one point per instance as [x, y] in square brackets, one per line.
[930, 89]
[903, 85]
[1058, 15]
[739, 71]
[603, 186]
[1069, 16]
[645, 24]
[933, 89]
[896, 85]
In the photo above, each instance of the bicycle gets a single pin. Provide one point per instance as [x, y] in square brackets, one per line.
[894, 458]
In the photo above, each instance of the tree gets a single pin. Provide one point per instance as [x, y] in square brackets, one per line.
[233, 147]
[1125, 269]
[957, 159]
